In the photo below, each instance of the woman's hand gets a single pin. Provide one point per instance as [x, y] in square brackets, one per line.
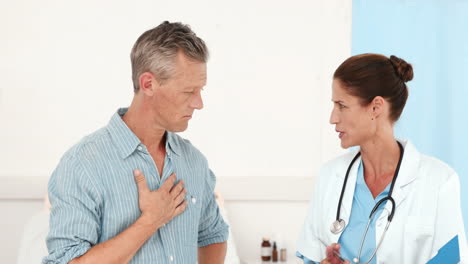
[333, 255]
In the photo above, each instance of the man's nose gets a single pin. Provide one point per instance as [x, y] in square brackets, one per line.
[197, 101]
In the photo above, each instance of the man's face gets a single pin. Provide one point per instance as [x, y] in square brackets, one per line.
[176, 99]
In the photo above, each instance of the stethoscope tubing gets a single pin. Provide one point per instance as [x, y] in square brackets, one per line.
[376, 207]
[389, 193]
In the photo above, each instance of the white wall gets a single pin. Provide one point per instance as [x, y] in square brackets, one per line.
[65, 69]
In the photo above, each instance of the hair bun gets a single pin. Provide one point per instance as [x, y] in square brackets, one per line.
[403, 69]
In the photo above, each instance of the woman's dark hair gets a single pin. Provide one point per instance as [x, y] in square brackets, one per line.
[369, 75]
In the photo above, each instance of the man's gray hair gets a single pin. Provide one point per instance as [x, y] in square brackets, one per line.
[156, 49]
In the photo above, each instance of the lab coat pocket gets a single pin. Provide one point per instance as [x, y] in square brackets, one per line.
[418, 237]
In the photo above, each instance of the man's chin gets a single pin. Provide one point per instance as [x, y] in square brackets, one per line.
[177, 129]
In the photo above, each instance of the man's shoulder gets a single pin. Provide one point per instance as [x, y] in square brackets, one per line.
[185, 147]
[89, 146]
[76, 160]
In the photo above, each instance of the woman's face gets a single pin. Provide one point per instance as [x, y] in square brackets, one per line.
[353, 122]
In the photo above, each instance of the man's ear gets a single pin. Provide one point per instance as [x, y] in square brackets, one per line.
[148, 83]
[377, 106]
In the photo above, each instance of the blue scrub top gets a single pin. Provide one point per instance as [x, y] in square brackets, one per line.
[350, 239]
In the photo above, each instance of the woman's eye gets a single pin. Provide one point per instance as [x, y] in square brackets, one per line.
[341, 106]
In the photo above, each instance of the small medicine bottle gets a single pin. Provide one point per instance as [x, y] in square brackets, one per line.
[283, 255]
[266, 249]
[275, 253]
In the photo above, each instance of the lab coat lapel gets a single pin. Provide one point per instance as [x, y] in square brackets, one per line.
[347, 203]
[407, 174]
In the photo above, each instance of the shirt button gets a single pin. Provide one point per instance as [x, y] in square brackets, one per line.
[194, 200]
[171, 258]
[140, 148]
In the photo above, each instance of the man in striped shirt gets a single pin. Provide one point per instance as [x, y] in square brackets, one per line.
[134, 191]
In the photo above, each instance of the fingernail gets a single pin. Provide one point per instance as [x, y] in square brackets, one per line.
[136, 172]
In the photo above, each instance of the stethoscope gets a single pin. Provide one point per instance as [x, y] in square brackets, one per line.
[339, 224]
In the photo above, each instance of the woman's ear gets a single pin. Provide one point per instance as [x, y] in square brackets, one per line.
[377, 104]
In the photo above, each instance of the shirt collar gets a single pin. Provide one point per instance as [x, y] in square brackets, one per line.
[127, 142]
[173, 142]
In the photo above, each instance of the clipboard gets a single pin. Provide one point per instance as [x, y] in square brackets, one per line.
[448, 254]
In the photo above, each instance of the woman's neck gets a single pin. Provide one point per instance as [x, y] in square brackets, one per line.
[380, 157]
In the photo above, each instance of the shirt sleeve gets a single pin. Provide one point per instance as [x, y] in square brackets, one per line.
[449, 219]
[75, 213]
[212, 228]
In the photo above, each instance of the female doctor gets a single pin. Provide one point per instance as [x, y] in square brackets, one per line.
[383, 202]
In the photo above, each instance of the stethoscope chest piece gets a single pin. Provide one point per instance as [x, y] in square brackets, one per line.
[337, 226]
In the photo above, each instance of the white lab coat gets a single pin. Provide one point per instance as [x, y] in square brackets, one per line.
[427, 216]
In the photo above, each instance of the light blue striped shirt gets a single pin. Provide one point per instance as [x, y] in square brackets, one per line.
[94, 197]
